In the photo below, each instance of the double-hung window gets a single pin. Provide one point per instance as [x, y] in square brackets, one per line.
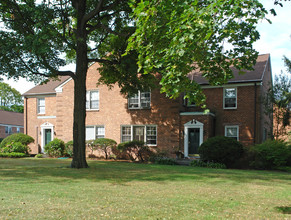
[8, 130]
[230, 98]
[94, 132]
[41, 105]
[188, 103]
[92, 100]
[145, 133]
[232, 131]
[140, 100]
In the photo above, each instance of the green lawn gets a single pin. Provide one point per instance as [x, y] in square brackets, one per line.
[47, 189]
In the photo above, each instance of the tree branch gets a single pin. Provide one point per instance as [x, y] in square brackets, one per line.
[94, 12]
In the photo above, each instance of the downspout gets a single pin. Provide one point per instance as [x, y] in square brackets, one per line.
[26, 115]
[255, 115]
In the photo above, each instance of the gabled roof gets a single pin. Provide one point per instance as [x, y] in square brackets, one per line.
[11, 118]
[255, 75]
[48, 88]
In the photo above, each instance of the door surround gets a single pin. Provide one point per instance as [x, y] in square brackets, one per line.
[43, 127]
[192, 124]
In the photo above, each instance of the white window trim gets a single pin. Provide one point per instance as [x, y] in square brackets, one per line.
[232, 126]
[225, 97]
[145, 133]
[95, 126]
[192, 124]
[93, 109]
[186, 102]
[38, 109]
[139, 101]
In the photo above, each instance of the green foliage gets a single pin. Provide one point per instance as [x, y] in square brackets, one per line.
[1, 139]
[13, 155]
[221, 149]
[164, 160]
[55, 148]
[10, 98]
[136, 150]
[199, 163]
[39, 156]
[105, 144]
[272, 154]
[277, 103]
[19, 137]
[171, 36]
[15, 147]
[68, 149]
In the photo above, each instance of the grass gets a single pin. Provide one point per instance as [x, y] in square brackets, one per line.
[47, 189]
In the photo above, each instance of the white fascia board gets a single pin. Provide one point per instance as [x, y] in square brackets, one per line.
[197, 113]
[231, 85]
[59, 89]
[17, 126]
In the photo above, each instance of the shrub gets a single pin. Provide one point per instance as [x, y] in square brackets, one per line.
[19, 137]
[13, 155]
[221, 149]
[104, 144]
[271, 154]
[15, 147]
[135, 150]
[55, 148]
[38, 156]
[68, 149]
[199, 163]
[164, 161]
[1, 139]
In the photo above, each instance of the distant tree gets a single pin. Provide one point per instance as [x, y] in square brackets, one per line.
[10, 98]
[278, 102]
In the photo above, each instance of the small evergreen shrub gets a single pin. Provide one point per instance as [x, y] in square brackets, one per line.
[164, 161]
[55, 148]
[38, 156]
[68, 149]
[19, 137]
[1, 139]
[13, 155]
[15, 147]
[221, 149]
[272, 154]
[105, 145]
[199, 163]
[136, 150]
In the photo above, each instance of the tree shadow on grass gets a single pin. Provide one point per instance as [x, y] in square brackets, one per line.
[53, 170]
[284, 209]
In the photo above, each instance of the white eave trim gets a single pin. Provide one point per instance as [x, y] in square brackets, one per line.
[59, 89]
[46, 117]
[11, 125]
[232, 84]
[197, 113]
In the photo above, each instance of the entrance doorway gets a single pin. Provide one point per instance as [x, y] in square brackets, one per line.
[193, 140]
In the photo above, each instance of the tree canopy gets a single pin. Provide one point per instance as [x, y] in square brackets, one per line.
[132, 40]
[10, 98]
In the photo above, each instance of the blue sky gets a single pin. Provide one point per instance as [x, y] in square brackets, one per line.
[275, 39]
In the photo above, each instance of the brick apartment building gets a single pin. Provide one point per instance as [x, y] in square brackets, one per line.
[10, 123]
[170, 125]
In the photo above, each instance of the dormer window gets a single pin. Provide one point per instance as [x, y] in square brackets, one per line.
[41, 106]
[230, 98]
[140, 100]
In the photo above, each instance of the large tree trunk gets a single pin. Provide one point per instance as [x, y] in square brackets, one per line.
[79, 148]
